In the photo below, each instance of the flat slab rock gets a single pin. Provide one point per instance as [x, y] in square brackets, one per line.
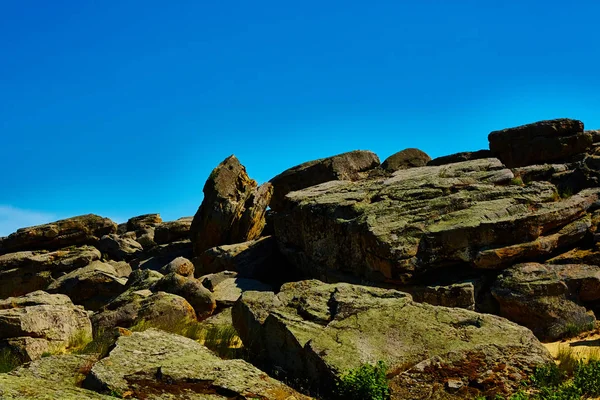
[317, 331]
[156, 365]
[420, 220]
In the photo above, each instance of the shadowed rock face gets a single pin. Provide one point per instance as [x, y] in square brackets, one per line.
[85, 229]
[233, 209]
[540, 142]
[421, 220]
[407, 158]
[318, 331]
[157, 365]
[347, 166]
[548, 298]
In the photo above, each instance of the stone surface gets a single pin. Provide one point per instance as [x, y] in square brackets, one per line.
[419, 222]
[317, 331]
[141, 222]
[159, 256]
[547, 298]
[122, 268]
[181, 266]
[173, 231]
[228, 291]
[539, 143]
[146, 239]
[460, 157]
[119, 248]
[460, 295]
[40, 315]
[347, 166]
[157, 365]
[200, 298]
[92, 286]
[84, 229]
[161, 309]
[257, 259]
[233, 208]
[407, 158]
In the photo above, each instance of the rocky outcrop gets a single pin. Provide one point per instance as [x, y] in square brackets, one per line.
[142, 222]
[119, 248]
[158, 257]
[407, 158]
[317, 331]
[92, 286]
[157, 365]
[233, 209]
[27, 271]
[401, 229]
[173, 231]
[460, 157]
[40, 322]
[85, 229]
[548, 298]
[347, 166]
[227, 291]
[200, 298]
[540, 143]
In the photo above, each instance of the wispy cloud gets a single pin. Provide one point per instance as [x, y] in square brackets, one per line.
[13, 218]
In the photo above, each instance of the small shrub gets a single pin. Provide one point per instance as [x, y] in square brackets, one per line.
[365, 382]
[587, 377]
[573, 329]
[548, 376]
[8, 361]
[567, 361]
[78, 341]
[516, 181]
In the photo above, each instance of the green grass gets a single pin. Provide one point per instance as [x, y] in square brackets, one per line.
[365, 382]
[8, 361]
[517, 181]
[573, 329]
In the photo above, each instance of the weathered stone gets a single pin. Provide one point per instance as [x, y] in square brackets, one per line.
[547, 298]
[119, 248]
[122, 268]
[589, 256]
[173, 231]
[18, 282]
[407, 158]
[161, 309]
[40, 315]
[143, 279]
[460, 157]
[317, 331]
[539, 143]
[53, 378]
[92, 286]
[211, 281]
[257, 259]
[544, 172]
[181, 266]
[460, 295]
[141, 222]
[347, 166]
[85, 229]
[159, 256]
[25, 348]
[146, 239]
[157, 365]
[401, 229]
[228, 291]
[190, 289]
[232, 210]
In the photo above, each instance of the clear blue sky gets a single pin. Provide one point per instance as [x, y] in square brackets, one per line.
[121, 108]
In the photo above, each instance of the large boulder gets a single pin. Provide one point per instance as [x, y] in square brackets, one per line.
[27, 271]
[40, 322]
[317, 331]
[159, 256]
[190, 289]
[135, 307]
[347, 166]
[460, 157]
[181, 266]
[407, 158]
[420, 222]
[84, 229]
[540, 143]
[173, 231]
[157, 365]
[142, 222]
[119, 248]
[92, 286]
[233, 209]
[548, 298]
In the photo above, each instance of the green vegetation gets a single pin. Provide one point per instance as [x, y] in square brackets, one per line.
[78, 341]
[365, 382]
[570, 379]
[8, 361]
[572, 329]
[517, 181]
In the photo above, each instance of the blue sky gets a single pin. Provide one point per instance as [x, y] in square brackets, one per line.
[121, 108]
